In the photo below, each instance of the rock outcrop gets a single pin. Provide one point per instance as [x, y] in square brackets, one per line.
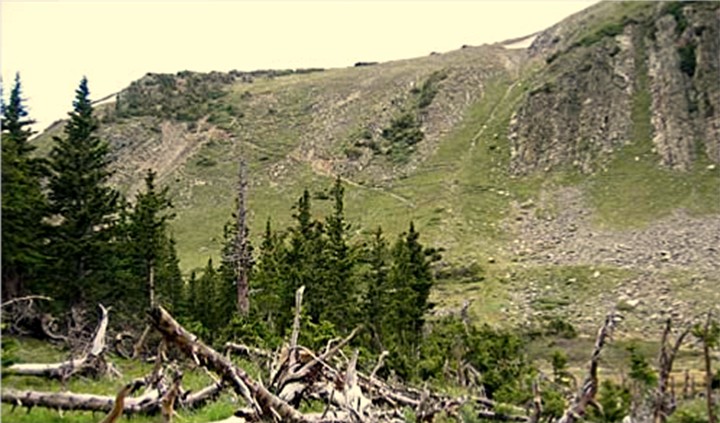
[590, 98]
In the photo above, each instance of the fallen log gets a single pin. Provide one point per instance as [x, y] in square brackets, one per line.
[69, 401]
[91, 361]
[253, 392]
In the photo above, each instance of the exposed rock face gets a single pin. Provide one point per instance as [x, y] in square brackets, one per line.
[581, 111]
[685, 74]
[581, 105]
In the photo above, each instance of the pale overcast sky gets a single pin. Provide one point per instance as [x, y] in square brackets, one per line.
[54, 43]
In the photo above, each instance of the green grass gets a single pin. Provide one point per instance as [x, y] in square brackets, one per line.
[34, 351]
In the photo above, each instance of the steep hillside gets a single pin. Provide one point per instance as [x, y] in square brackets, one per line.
[574, 175]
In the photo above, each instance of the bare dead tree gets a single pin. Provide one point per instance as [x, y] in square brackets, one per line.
[586, 395]
[664, 405]
[709, 335]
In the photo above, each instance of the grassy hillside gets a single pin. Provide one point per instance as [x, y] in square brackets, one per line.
[522, 247]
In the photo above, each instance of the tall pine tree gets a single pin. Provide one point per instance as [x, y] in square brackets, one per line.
[338, 284]
[377, 306]
[84, 206]
[149, 240]
[23, 203]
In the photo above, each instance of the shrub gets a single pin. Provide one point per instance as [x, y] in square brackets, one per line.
[688, 60]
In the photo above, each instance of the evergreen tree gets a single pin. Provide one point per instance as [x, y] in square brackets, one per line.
[269, 279]
[191, 296]
[148, 234]
[84, 205]
[377, 305]
[338, 284]
[306, 262]
[410, 280]
[23, 203]
[169, 277]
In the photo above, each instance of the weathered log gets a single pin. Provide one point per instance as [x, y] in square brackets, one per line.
[68, 401]
[237, 378]
[91, 360]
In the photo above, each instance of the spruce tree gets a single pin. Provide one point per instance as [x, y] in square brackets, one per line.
[410, 280]
[306, 262]
[338, 284]
[148, 234]
[377, 307]
[23, 203]
[84, 205]
[169, 277]
[269, 281]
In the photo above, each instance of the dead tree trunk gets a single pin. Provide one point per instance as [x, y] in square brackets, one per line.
[586, 395]
[254, 393]
[664, 404]
[709, 336]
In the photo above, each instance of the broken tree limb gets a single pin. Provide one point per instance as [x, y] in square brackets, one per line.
[253, 392]
[380, 363]
[586, 395]
[119, 405]
[25, 298]
[90, 361]
[137, 348]
[247, 351]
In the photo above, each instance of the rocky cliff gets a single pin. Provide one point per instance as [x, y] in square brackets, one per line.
[619, 74]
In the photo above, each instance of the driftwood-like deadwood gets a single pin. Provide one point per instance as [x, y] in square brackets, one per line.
[91, 361]
[252, 391]
[69, 401]
[586, 395]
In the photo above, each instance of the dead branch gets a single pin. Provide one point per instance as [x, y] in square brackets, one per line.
[586, 395]
[247, 351]
[29, 298]
[380, 363]
[237, 378]
[91, 361]
[137, 348]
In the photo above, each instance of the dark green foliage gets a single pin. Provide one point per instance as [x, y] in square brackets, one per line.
[186, 96]
[85, 207]
[499, 356]
[675, 8]
[376, 302]
[339, 291]
[560, 327]
[640, 370]
[149, 245]
[268, 284]
[404, 132]
[615, 401]
[561, 375]
[23, 203]
[688, 61]
[426, 94]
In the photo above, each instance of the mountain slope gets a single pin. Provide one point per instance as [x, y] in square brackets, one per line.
[549, 174]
